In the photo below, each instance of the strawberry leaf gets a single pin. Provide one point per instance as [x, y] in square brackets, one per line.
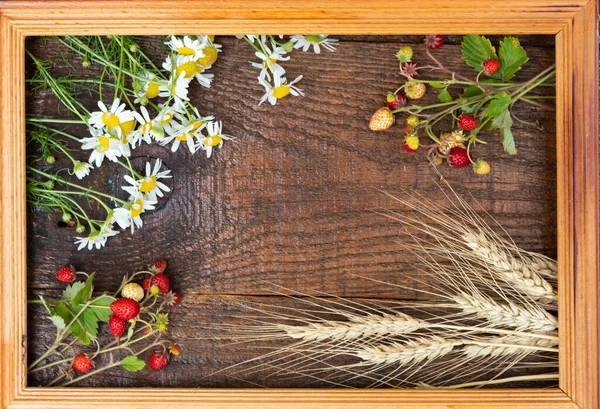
[445, 96]
[58, 321]
[497, 105]
[476, 49]
[508, 141]
[85, 326]
[436, 84]
[132, 363]
[101, 307]
[85, 293]
[73, 289]
[472, 91]
[503, 120]
[512, 57]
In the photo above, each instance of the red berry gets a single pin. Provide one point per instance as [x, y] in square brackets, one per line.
[490, 66]
[159, 266]
[410, 69]
[458, 157]
[434, 40]
[175, 299]
[467, 122]
[158, 360]
[395, 101]
[81, 363]
[146, 283]
[117, 325]
[408, 148]
[66, 274]
[125, 308]
[161, 281]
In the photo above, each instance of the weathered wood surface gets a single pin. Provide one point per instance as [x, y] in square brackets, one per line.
[291, 202]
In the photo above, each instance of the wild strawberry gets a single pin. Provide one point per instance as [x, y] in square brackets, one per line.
[408, 129]
[116, 325]
[146, 283]
[125, 308]
[175, 349]
[161, 281]
[437, 161]
[449, 140]
[490, 66]
[434, 40]
[411, 142]
[81, 363]
[481, 167]
[381, 120]
[395, 101]
[458, 157]
[172, 298]
[159, 267]
[405, 53]
[412, 120]
[158, 360]
[414, 89]
[467, 122]
[133, 291]
[66, 274]
[410, 69]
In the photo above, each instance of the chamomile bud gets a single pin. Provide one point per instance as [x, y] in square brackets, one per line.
[86, 63]
[49, 184]
[80, 228]
[134, 48]
[288, 47]
[50, 160]
[66, 217]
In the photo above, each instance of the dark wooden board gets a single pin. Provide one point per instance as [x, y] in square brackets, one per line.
[291, 201]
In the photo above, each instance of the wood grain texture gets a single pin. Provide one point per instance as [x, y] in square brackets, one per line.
[578, 296]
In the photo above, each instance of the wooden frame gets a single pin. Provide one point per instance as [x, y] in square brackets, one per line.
[572, 22]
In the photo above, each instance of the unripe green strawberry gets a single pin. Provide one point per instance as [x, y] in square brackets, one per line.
[415, 90]
[405, 53]
[412, 121]
[133, 291]
[382, 119]
[481, 167]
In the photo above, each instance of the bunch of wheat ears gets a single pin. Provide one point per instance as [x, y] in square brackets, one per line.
[496, 314]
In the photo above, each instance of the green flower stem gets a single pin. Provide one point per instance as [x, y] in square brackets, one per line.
[82, 81]
[420, 109]
[56, 121]
[132, 58]
[64, 195]
[523, 90]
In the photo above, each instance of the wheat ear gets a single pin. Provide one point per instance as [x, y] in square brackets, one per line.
[509, 345]
[411, 352]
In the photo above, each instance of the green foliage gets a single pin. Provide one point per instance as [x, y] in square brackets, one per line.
[445, 96]
[497, 105]
[132, 363]
[472, 91]
[508, 141]
[512, 57]
[476, 49]
[85, 293]
[436, 84]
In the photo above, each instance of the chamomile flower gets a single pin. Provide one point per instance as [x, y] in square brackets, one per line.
[269, 62]
[317, 41]
[211, 53]
[197, 121]
[186, 47]
[146, 89]
[215, 137]
[81, 169]
[145, 131]
[110, 118]
[164, 121]
[129, 215]
[181, 134]
[189, 68]
[279, 90]
[103, 145]
[150, 185]
[176, 88]
[97, 238]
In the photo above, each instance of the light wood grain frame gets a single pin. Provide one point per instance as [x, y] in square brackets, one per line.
[572, 22]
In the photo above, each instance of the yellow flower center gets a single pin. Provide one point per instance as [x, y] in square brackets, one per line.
[111, 120]
[137, 208]
[152, 91]
[103, 144]
[144, 129]
[127, 127]
[197, 124]
[212, 140]
[167, 118]
[281, 91]
[148, 184]
[183, 137]
[190, 68]
[265, 63]
[185, 51]
[210, 56]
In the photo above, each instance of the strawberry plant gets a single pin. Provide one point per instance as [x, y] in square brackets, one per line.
[474, 106]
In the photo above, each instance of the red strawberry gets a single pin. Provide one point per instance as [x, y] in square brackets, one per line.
[117, 325]
[467, 122]
[125, 308]
[159, 266]
[146, 283]
[490, 66]
[175, 299]
[434, 40]
[410, 69]
[81, 363]
[161, 281]
[395, 101]
[158, 360]
[66, 274]
[458, 157]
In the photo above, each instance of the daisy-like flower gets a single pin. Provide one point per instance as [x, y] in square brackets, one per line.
[110, 118]
[280, 89]
[97, 238]
[129, 215]
[181, 134]
[211, 52]
[104, 145]
[195, 120]
[186, 47]
[164, 121]
[176, 88]
[146, 89]
[145, 131]
[150, 185]
[269, 62]
[189, 69]
[317, 41]
[215, 137]
[81, 169]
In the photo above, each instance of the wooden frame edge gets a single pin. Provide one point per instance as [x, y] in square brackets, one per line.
[577, 181]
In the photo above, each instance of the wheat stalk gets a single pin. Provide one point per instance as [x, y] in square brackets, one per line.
[413, 351]
[509, 345]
